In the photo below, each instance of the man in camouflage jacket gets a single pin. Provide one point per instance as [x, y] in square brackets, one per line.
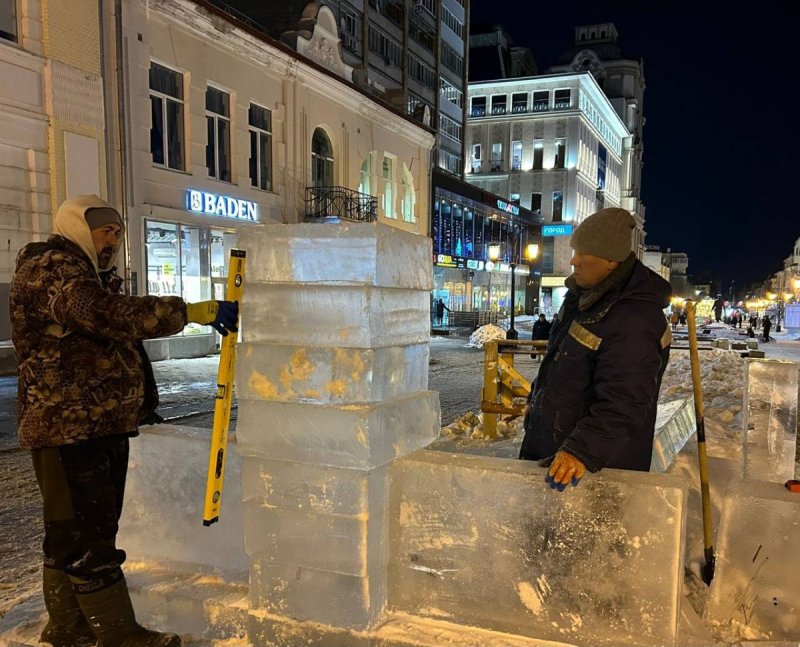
[81, 393]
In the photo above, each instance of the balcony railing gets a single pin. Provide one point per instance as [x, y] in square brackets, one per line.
[339, 202]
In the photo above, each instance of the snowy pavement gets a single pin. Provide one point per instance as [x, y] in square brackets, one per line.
[187, 387]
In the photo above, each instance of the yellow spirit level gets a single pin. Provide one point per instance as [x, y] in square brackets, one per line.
[224, 396]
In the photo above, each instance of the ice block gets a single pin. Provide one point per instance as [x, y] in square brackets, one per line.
[334, 375]
[756, 583]
[675, 424]
[770, 420]
[355, 436]
[338, 254]
[336, 316]
[486, 542]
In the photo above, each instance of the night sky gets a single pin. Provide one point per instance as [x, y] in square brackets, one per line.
[720, 143]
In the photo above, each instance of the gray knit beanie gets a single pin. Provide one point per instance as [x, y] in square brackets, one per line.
[96, 217]
[605, 234]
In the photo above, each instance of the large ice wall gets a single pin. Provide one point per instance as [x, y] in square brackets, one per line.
[770, 420]
[486, 542]
[332, 387]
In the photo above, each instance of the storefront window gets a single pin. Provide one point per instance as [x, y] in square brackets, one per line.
[193, 269]
[458, 230]
[447, 227]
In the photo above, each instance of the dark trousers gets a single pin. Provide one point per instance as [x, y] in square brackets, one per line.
[82, 488]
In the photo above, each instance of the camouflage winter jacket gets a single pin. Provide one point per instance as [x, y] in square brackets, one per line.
[80, 373]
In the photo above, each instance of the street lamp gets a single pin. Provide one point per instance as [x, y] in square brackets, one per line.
[531, 252]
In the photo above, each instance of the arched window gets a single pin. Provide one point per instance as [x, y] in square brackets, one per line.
[365, 184]
[321, 159]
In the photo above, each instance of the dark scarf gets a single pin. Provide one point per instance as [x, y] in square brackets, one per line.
[587, 297]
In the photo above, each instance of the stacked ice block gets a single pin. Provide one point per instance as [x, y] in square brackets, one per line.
[675, 424]
[332, 380]
[770, 421]
[485, 542]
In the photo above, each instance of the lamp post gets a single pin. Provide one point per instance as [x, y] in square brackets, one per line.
[531, 252]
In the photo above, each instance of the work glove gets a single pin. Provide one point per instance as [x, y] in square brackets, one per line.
[564, 469]
[223, 316]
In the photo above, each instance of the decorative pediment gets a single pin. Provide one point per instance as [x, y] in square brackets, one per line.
[587, 60]
[319, 40]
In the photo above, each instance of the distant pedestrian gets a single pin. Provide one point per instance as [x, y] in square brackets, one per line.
[682, 318]
[440, 308]
[751, 333]
[674, 319]
[766, 327]
[540, 332]
[718, 308]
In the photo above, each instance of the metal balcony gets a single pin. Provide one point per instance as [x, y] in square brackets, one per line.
[324, 202]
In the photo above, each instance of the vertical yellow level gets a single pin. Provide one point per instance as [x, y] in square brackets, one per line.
[224, 396]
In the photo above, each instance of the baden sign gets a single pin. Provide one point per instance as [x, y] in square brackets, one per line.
[221, 205]
[556, 230]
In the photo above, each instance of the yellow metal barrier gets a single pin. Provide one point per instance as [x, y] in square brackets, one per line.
[502, 382]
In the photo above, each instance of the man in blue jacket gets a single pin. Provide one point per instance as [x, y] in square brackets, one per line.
[593, 404]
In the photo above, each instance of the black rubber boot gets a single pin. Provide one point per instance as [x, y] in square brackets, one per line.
[111, 617]
[66, 626]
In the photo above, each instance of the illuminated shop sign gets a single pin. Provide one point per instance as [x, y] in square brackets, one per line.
[474, 265]
[445, 260]
[213, 204]
[508, 207]
[556, 230]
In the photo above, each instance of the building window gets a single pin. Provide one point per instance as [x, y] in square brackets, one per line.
[455, 25]
[385, 46]
[260, 120]
[497, 158]
[558, 206]
[536, 203]
[478, 108]
[421, 33]
[538, 154]
[409, 196]
[8, 20]
[388, 187]
[321, 159]
[499, 104]
[448, 91]
[563, 99]
[451, 59]
[561, 153]
[420, 71]
[350, 28]
[475, 166]
[366, 175]
[548, 254]
[450, 162]
[416, 108]
[451, 129]
[166, 117]
[188, 262]
[541, 100]
[218, 125]
[601, 167]
[519, 102]
[516, 156]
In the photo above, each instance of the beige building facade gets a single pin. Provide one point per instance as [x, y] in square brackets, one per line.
[52, 119]
[226, 129]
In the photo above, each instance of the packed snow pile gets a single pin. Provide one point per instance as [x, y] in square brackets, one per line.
[489, 332]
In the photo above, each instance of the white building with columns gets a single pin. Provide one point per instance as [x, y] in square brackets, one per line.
[555, 145]
[227, 128]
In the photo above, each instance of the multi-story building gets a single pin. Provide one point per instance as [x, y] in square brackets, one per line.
[553, 145]
[52, 119]
[411, 53]
[622, 80]
[679, 274]
[657, 260]
[227, 128]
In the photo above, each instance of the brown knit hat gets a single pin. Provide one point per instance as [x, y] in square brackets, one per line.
[605, 234]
